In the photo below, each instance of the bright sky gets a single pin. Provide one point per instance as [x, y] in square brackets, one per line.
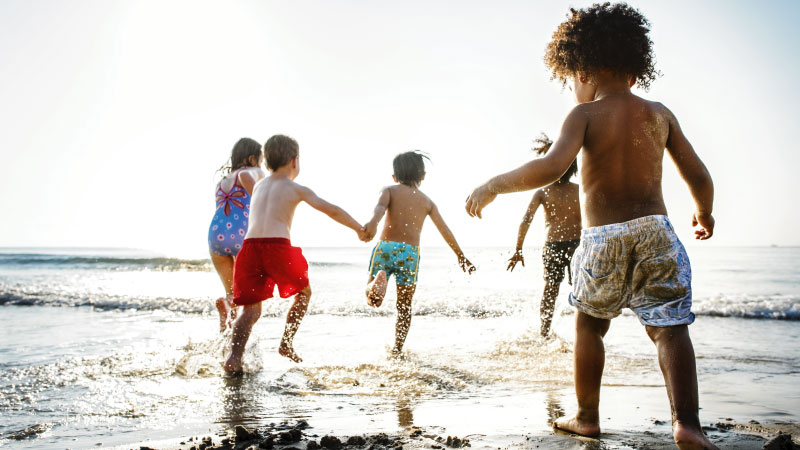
[116, 114]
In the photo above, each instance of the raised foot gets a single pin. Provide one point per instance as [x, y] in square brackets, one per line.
[224, 313]
[577, 426]
[287, 351]
[687, 438]
[376, 290]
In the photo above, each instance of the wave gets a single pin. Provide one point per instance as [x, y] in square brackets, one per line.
[775, 307]
[31, 260]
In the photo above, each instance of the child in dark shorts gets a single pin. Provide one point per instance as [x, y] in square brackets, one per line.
[562, 218]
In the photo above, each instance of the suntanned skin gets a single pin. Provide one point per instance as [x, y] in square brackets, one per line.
[406, 209]
[562, 219]
[272, 207]
[247, 177]
[623, 139]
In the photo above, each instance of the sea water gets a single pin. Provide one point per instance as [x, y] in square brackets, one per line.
[114, 347]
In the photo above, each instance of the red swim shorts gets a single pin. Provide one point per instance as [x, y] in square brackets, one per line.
[264, 262]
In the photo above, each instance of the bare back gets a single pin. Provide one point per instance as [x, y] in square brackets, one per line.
[622, 158]
[408, 207]
[562, 212]
[272, 207]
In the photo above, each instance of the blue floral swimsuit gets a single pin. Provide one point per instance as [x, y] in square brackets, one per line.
[229, 225]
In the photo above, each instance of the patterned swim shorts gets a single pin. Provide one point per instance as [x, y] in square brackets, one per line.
[639, 264]
[398, 259]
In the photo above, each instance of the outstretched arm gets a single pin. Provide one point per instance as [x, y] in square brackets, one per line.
[444, 230]
[539, 172]
[334, 212]
[523, 230]
[371, 227]
[696, 176]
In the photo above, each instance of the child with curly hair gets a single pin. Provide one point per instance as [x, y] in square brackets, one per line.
[630, 256]
[562, 218]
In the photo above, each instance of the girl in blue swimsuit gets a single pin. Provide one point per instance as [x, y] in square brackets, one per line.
[229, 224]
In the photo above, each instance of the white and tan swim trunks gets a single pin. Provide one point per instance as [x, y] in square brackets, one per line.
[640, 264]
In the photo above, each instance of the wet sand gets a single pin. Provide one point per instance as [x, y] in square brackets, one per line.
[301, 435]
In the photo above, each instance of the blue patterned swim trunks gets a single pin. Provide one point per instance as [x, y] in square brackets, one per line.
[640, 264]
[396, 258]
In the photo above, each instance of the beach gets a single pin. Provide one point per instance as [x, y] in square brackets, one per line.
[121, 349]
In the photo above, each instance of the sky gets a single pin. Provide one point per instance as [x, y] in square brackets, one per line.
[116, 114]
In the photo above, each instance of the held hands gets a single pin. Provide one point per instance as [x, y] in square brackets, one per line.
[706, 223]
[515, 259]
[465, 265]
[363, 234]
[479, 198]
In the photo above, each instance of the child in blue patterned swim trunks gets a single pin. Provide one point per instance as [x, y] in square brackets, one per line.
[229, 224]
[397, 254]
[629, 256]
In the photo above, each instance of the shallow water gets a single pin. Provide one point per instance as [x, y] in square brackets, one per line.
[140, 358]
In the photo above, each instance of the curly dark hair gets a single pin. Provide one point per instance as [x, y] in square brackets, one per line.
[613, 37]
[542, 144]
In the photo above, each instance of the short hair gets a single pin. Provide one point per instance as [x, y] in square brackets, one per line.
[280, 150]
[613, 37]
[542, 144]
[409, 167]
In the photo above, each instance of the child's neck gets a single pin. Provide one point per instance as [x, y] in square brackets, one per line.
[608, 85]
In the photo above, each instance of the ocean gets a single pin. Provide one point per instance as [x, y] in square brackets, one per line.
[110, 347]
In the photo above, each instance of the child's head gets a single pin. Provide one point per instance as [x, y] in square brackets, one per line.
[605, 37]
[542, 144]
[409, 168]
[281, 150]
[246, 153]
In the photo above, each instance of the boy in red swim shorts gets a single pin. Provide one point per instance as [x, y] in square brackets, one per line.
[267, 258]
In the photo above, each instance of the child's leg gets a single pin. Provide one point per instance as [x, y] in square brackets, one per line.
[241, 333]
[376, 289]
[224, 267]
[677, 361]
[404, 296]
[293, 319]
[589, 361]
[547, 306]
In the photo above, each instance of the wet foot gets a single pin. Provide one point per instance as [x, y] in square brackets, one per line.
[233, 366]
[287, 351]
[224, 313]
[376, 290]
[691, 439]
[577, 426]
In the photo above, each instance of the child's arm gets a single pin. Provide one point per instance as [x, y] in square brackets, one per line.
[371, 227]
[444, 230]
[696, 176]
[523, 230]
[539, 172]
[334, 212]
[249, 178]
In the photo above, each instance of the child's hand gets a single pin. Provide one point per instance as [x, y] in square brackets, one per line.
[479, 198]
[363, 234]
[515, 259]
[465, 265]
[706, 222]
[371, 228]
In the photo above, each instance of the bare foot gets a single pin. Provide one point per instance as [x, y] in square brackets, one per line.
[690, 439]
[287, 351]
[376, 290]
[233, 366]
[224, 311]
[577, 426]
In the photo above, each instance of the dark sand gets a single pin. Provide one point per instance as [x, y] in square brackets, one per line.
[300, 435]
